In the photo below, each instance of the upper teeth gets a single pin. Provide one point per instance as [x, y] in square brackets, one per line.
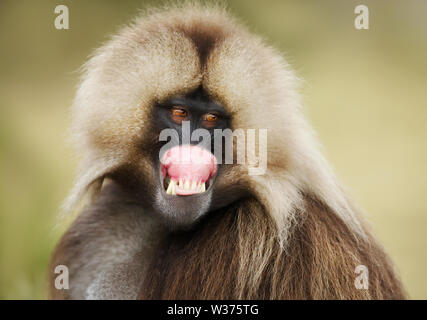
[171, 187]
[186, 185]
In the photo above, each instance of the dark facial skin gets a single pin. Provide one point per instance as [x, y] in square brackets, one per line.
[197, 107]
[201, 113]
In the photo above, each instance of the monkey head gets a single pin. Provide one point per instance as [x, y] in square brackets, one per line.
[194, 69]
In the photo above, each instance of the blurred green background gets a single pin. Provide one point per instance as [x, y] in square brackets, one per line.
[365, 92]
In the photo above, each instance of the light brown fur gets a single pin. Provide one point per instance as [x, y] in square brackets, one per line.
[296, 236]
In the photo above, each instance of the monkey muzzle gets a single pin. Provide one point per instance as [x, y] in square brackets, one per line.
[187, 170]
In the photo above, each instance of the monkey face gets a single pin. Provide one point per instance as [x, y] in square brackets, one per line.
[187, 159]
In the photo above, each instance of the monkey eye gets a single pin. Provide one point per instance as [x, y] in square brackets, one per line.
[178, 114]
[210, 120]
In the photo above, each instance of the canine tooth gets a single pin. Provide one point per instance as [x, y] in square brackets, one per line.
[170, 187]
[173, 189]
[181, 183]
[203, 187]
[194, 185]
[187, 185]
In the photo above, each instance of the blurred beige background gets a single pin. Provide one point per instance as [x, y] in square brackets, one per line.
[365, 93]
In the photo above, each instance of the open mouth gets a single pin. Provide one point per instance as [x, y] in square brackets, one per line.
[187, 170]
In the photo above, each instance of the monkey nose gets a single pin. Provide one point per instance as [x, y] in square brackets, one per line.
[188, 169]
